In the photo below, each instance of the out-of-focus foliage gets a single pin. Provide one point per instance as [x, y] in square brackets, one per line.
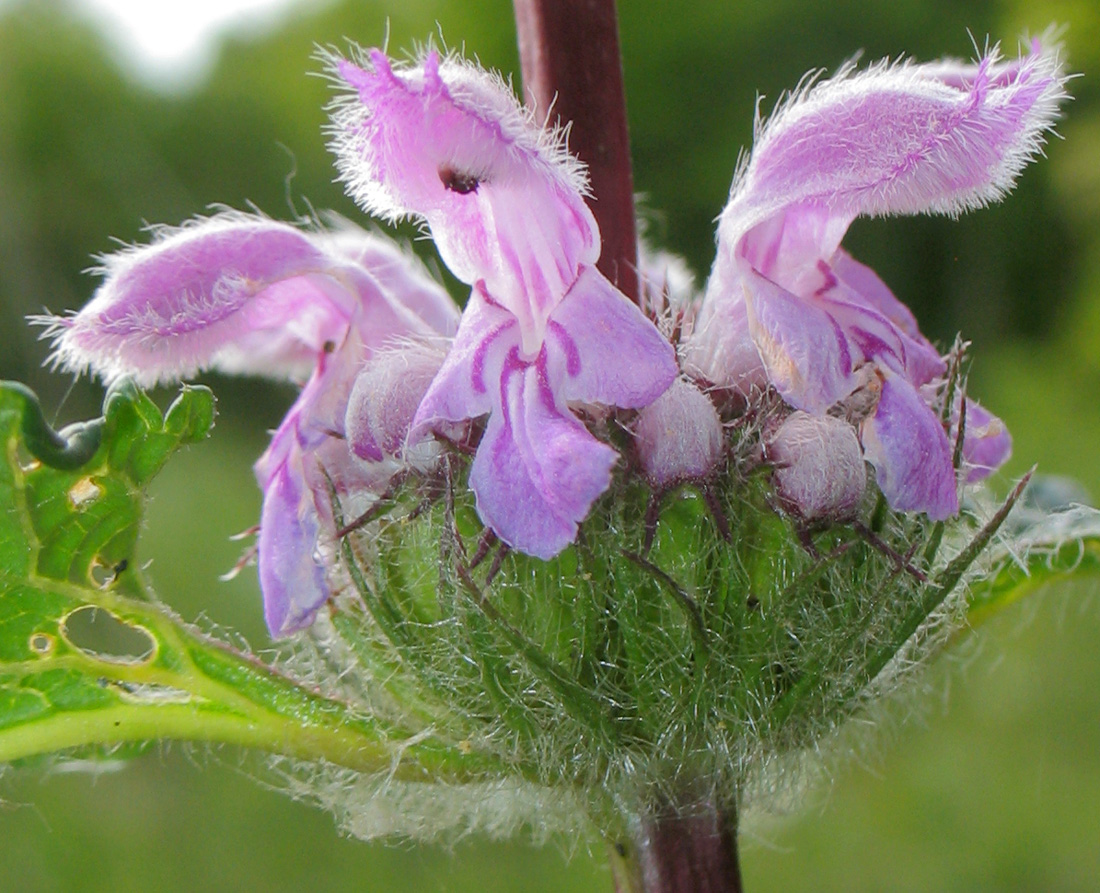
[998, 793]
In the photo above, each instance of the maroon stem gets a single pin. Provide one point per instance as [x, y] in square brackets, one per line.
[694, 852]
[569, 53]
[679, 852]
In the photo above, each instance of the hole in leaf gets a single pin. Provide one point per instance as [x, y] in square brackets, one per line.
[42, 643]
[103, 636]
[103, 575]
[84, 491]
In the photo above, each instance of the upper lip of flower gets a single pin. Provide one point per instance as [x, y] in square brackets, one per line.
[896, 138]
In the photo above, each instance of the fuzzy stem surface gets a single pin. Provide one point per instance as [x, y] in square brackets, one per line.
[572, 73]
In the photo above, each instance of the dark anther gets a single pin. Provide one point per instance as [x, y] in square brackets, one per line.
[328, 346]
[120, 567]
[458, 181]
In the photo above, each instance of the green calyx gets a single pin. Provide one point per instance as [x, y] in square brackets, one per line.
[681, 646]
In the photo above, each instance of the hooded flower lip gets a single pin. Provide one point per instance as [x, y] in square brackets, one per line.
[504, 201]
[241, 293]
[786, 305]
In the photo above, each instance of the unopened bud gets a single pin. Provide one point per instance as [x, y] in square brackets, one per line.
[819, 472]
[679, 435]
[385, 398]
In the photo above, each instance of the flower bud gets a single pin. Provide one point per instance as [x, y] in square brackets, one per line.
[679, 435]
[385, 398]
[819, 472]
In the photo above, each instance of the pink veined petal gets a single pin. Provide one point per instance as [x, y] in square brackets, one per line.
[465, 384]
[234, 290]
[397, 272]
[537, 470]
[892, 140]
[910, 452]
[875, 293]
[612, 354]
[293, 584]
[874, 338]
[503, 199]
[720, 348]
[987, 444]
[803, 348]
[886, 317]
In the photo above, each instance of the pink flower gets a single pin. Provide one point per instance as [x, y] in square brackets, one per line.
[241, 293]
[504, 202]
[786, 305]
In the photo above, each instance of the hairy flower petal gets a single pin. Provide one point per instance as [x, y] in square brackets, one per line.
[613, 354]
[232, 290]
[447, 142]
[538, 470]
[803, 348]
[242, 294]
[895, 139]
[910, 452]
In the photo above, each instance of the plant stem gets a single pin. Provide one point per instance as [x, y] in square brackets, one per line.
[691, 851]
[572, 72]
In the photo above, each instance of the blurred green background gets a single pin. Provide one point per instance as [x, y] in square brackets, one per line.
[996, 787]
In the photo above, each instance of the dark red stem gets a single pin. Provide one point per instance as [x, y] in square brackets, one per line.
[569, 52]
[696, 852]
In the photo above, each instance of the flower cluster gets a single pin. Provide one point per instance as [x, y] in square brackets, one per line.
[547, 363]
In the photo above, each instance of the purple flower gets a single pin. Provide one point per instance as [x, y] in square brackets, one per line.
[786, 305]
[241, 293]
[504, 201]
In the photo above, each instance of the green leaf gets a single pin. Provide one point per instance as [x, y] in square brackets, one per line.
[89, 660]
[1047, 547]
